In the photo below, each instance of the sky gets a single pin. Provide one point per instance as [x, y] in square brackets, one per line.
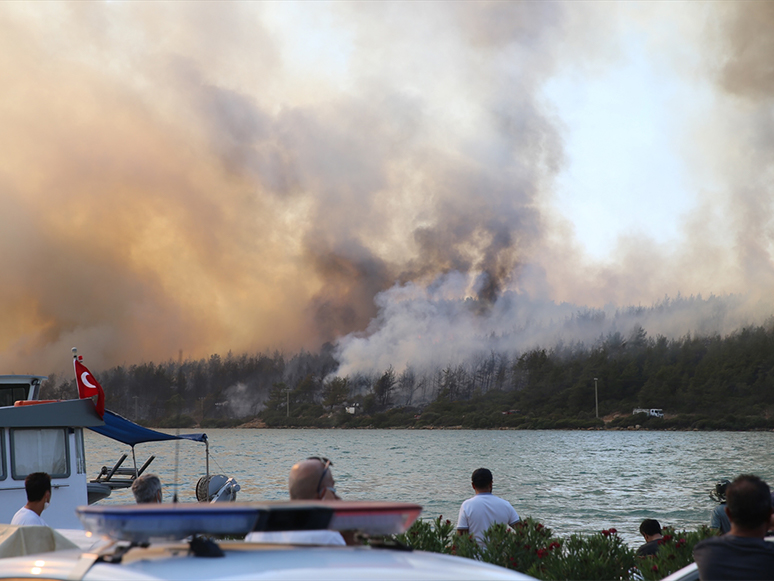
[411, 182]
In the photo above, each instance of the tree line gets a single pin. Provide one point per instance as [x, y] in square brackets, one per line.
[716, 379]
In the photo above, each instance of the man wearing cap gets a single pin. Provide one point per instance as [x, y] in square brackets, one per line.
[719, 518]
[484, 509]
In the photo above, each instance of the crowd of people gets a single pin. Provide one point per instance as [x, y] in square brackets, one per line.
[742, 518]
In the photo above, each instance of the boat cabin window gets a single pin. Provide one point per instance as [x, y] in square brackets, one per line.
[39, 450]
[3, 470]
[80, 452]
[11, 392]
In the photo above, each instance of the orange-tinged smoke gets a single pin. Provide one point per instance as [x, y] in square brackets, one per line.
[207, 176]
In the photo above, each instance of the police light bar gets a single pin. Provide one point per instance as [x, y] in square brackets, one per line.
[143, 523]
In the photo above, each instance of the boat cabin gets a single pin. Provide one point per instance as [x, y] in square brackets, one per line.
[45, 437]
[15, 388]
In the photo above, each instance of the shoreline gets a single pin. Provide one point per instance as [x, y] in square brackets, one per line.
[410, 420]
[252, 426]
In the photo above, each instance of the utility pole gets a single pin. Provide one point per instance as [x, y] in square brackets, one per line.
[596, 396]
[287, 392]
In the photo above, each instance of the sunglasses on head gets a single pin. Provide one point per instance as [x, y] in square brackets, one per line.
[326, 465]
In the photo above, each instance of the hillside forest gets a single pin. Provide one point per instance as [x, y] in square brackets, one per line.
[701, 382]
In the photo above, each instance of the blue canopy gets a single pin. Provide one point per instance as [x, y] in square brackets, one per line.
[126, 431]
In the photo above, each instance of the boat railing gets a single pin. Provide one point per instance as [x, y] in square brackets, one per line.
[127, 475]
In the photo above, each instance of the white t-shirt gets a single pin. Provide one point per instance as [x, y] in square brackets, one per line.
[26, 517]
[297, 537]
[480, 512]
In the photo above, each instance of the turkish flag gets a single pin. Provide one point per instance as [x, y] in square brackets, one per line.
[88, 386]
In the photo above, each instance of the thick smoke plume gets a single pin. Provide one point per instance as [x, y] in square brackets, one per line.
[205, 177]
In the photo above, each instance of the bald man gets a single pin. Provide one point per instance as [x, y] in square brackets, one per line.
[310, 479]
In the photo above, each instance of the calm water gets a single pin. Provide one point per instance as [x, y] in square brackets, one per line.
[570, 481]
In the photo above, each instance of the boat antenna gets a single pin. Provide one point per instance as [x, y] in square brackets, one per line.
[177, 456]
[177, 423]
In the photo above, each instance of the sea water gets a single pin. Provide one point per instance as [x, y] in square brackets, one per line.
[571, 481]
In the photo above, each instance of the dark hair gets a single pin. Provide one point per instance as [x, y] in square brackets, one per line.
[748, 501]
[36, 485]
[482, 478]
[650, 527]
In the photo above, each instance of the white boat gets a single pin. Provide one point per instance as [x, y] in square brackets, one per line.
[145, 545]
[47, 436]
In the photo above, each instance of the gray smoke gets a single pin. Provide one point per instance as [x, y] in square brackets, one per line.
[245, 176]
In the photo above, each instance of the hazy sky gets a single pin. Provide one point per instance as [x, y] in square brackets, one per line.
[212, 176]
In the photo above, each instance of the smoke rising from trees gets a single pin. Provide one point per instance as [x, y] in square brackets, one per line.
[206, 178]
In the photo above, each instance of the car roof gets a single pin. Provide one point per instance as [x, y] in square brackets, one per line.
[254, 561]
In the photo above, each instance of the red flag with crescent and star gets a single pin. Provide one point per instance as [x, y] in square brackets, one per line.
[88, 386]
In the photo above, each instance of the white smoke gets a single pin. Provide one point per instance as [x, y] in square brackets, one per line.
[443, 324]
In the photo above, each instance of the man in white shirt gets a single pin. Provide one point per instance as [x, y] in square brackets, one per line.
[483, 510]
[38, 488]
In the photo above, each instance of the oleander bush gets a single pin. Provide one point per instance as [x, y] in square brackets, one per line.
[438, 536]
[602, 555]
[531, 548]
[521, 548]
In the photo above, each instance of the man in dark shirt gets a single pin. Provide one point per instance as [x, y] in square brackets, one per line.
[741, 553]
[651, 530]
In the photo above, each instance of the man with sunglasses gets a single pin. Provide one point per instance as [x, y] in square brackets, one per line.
[310, 479]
